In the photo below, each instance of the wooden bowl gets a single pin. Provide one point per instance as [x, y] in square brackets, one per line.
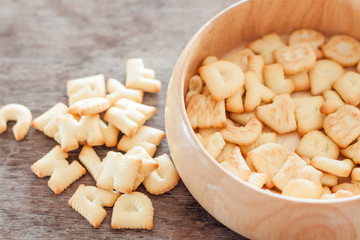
[252, 212]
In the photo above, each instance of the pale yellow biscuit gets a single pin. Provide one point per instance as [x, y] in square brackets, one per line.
[257, 179]
[279, 115]
[245, 135]
[323, 74]
[225, 152]
[339, 194]
[213, 144]
[266, 137]
[18, 113]
[352, 187]
[314, 38]
[117, 90]
[275, 79]
[342, 49]
[343, 126]
[296, 58]
[235, 102]
[222, 78]
[315, 143]
[72, 132]
[195, 87]
[332, 102]
[358, 67]
[307, 113]
[310, 173]
[209, 59]
[204, 112]
[348, 87]
[89, 106]
[242, 118]
[256, 63]
[87, 87]
[266, 45]
[236, 164]
[147, 137]
[134, 211]
[118, 172]
[110, 134]
[301, 81]
[269, 158]
[62, 174]
[288, 171]
[355, 174]
[352, 151]
[341, 168]
[90, 201]
[139, 77]
[148, 164]
[128, 116]
[164, 178]
[303, 188]
[46, 122]
[255, 92]
[91, 161]
[329, 179]
[239, 57]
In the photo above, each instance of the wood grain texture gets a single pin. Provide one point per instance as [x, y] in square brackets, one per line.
[45, 43]
[253, 212]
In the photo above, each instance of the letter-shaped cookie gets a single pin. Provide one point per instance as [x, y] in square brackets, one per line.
[90, 201]
[341, 168]
[91, 161]
[129, 116]
[256, 63]
[348, 87]
[134, 211]
[87, 87]
[275, 79]
[18, 113]
[236, 164]
[332, 102]
[55, 165]
[266, 137]
[89, 106]
[240, 57]
[266, 45]
[310, 36]
[117, 90]
[353, 152]
[110, 134]
[213, 144]
[245, 135]
[195, 87]
[303, 188]
[146, 137]
[139, 77]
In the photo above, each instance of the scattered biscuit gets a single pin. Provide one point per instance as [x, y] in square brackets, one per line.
[265, 137]
[240, 57]
[119, 172]
[222, 78]
[301, 81]
[296, 58]
[87, 87]
[323, 74]
[162, 179]
[343, 126]
[348, 87]
[236, 164]
[91, 161]
[90, 201]
[303, 188]
[256, 63]
[141, 78]
[46, 122]
[195, 87]
[307, 113]
[279, 115]
[128, 116]
[342, 49]
[245, 135]
[268, 159]
[204, 112]
[18, 113]
[117, 90]
[275, 79]
[147, 137]
[341, 168]
[89, 106]
[266, 45]
[316, 143]
[255, 92]
[110, 134]
[134, 211]
[332, 102]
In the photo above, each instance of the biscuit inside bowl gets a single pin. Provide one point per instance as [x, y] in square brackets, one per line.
[249, 211]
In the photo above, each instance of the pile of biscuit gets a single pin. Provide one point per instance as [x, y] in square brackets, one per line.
[242, 106]
[118, 175]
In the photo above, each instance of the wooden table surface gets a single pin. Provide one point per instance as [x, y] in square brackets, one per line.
[45, 43]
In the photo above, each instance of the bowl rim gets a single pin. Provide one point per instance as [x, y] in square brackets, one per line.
[191, 132]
